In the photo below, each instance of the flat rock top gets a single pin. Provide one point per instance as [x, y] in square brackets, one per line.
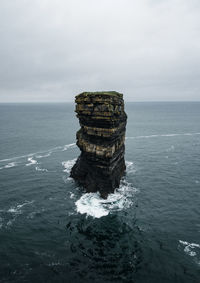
[100, 93]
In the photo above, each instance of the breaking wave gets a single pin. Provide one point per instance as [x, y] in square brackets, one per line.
[17, 209]
[191, 249]
[31, 157]
[163, 135]
[31, 161]
[93, 205]
[37, 168]
[43, 156]
[9, 165]
[130, 168]
[68, 165]
[67, 146]
[39, 153]
[9, 216]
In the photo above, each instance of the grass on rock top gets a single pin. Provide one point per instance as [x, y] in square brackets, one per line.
[96, 93]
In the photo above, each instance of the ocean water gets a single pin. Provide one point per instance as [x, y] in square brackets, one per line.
[147, 231]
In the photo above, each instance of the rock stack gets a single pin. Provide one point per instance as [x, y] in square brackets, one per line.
[101, 141]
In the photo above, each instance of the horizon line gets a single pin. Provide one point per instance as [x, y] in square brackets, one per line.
[136, 101]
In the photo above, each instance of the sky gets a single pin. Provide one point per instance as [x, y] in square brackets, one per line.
[52, 50]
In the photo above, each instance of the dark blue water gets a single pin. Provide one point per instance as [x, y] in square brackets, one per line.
[148, 231]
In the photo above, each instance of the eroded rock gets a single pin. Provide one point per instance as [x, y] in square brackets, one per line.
[101, 141]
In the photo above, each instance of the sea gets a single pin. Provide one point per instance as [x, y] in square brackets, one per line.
[51, 230]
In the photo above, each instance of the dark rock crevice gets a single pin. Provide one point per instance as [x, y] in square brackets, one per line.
[101, 138]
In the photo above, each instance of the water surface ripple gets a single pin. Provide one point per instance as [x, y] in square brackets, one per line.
[147, 231]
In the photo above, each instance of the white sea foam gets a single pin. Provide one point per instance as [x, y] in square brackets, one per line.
[67, 179]
[37, 168]
[67, 146]
[12, 214]
[130, 168]
[17, 209]
[10, 222]
[45, 155]
[9, 165]
[93, 205]
[68, 165]
[14, 210]
[31, 161]
[17, 157]
[189, 247]
[72, 195]
[163, 135]
[41, 154]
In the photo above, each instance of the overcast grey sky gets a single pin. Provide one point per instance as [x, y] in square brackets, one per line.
[51, 50]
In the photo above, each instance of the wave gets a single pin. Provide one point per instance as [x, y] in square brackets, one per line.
[37, 168]
[72, 195]
[9, 165]
[67, 146]
[31, 161]
[189, 248]
[43, 156]
[93, 205]
[163, 135]
[17, 209]
[130, 168]
[68, 165]
[12, 213]
[38, 154]
[17, 157]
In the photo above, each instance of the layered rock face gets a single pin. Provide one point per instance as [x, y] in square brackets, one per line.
[101, 141]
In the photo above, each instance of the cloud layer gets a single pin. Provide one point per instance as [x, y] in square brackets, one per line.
[53, 49]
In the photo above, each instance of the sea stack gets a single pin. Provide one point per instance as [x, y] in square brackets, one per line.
[101, 164]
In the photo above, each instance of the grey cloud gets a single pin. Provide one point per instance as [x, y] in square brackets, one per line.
[53, 49]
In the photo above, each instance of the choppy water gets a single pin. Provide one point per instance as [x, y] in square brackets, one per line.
[148, 231]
